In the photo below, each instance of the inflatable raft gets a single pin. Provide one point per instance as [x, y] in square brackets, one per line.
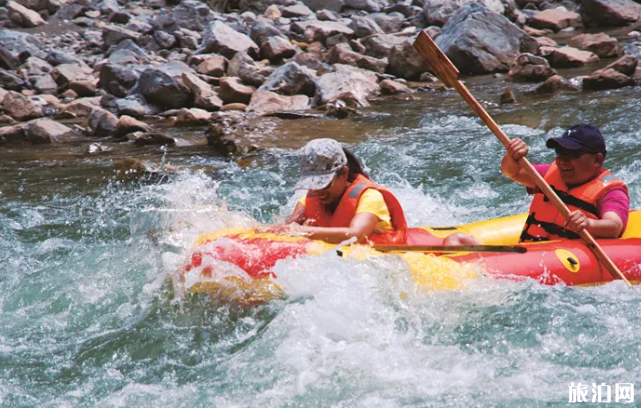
[237, 264]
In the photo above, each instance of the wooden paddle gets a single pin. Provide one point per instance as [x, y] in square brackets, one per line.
[447, 72]
[451, 248]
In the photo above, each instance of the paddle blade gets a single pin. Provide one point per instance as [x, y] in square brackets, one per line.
[440, 64]
[451, 248]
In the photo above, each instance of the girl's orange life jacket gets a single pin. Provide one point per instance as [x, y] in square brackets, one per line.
[316, 214]
[545, 222]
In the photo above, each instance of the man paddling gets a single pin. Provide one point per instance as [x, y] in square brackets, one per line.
[598, 201]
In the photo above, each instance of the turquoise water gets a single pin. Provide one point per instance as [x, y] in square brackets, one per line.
[89, 318]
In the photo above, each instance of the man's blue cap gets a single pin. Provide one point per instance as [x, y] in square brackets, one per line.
[582, 136]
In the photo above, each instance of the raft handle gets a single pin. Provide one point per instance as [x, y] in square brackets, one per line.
[573, 261]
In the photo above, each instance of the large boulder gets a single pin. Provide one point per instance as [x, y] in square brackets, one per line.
[352, 85]
[232, 90]
[438, 12]
[568, 57]
[405, 62]
[607, 79]
[163, 85]
[249, 71]
[314, 30]
[343, 54]
[555, 19]
[193, 15]
[23, 16]
[261, 5]
[531, 68]
[479, 41]
[118, 79]
[46, 131]
[20, 107]
[22, 44]
[270, 102]
[604, 13]
[222, 39]
[601, 44]
[204, 96]
[372, 6]
[380, 46]
[291, 79]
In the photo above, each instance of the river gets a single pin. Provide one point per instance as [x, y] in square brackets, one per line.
[88, 318]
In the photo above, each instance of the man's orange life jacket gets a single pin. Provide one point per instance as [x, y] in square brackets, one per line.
[545, 222]
[316, 214]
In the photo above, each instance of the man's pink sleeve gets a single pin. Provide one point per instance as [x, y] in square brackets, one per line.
[616, 201]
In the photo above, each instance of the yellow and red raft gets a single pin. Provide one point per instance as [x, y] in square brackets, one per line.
[237, 264]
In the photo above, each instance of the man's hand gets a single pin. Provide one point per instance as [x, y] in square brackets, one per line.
[577, 222]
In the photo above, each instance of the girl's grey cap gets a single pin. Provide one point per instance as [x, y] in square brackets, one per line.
[320, 159]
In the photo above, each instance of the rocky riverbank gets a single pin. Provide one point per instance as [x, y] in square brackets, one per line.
[85, 69]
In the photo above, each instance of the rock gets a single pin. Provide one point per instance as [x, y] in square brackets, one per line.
[601, 44]
[233, 91]
[314, 30]
[327, 15]
[529, 67]
[555, 19]
[101, 123]
[261, 5]
[234, 107]
[273, 12]
[264, 30]
[555, 84]
[80, 108]
[126, 124]
[10, 81]
[113, 34]
[67, 73]
[380, 46]
[152, 138]
[162, 85]
[364, 27]
[438, 12]
[291, 79]
[117, 79]
[46, 131]
[351, 85]
[12, 135]
[34, 67]
[135, 106]
[389, 23]
[249, 71]
[55, 57]
[83, 88]
[478, 41]
[222, 39]
[192, 117]
[546, 42]
[309, 60]
[163, 40]
[390, 87]
[69, 95]
[607, 79]
[270, 102]
[7, 60]
[626, 65]
[405, 62]
[204, 96]
[606, 13]
[22, 44]
[508, 98]
[45, 85]
[214, 66]
[297, 10]
[23, 16]
[343, 54]
[193, 15]
[20, 107]
[568, 57]
[276, 49]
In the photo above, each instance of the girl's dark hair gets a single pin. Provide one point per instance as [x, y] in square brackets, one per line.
[354, 166]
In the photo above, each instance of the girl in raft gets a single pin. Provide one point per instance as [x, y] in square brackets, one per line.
[342, 202]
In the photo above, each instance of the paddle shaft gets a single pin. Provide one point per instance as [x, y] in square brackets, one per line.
[450, 248]
[450, 76]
